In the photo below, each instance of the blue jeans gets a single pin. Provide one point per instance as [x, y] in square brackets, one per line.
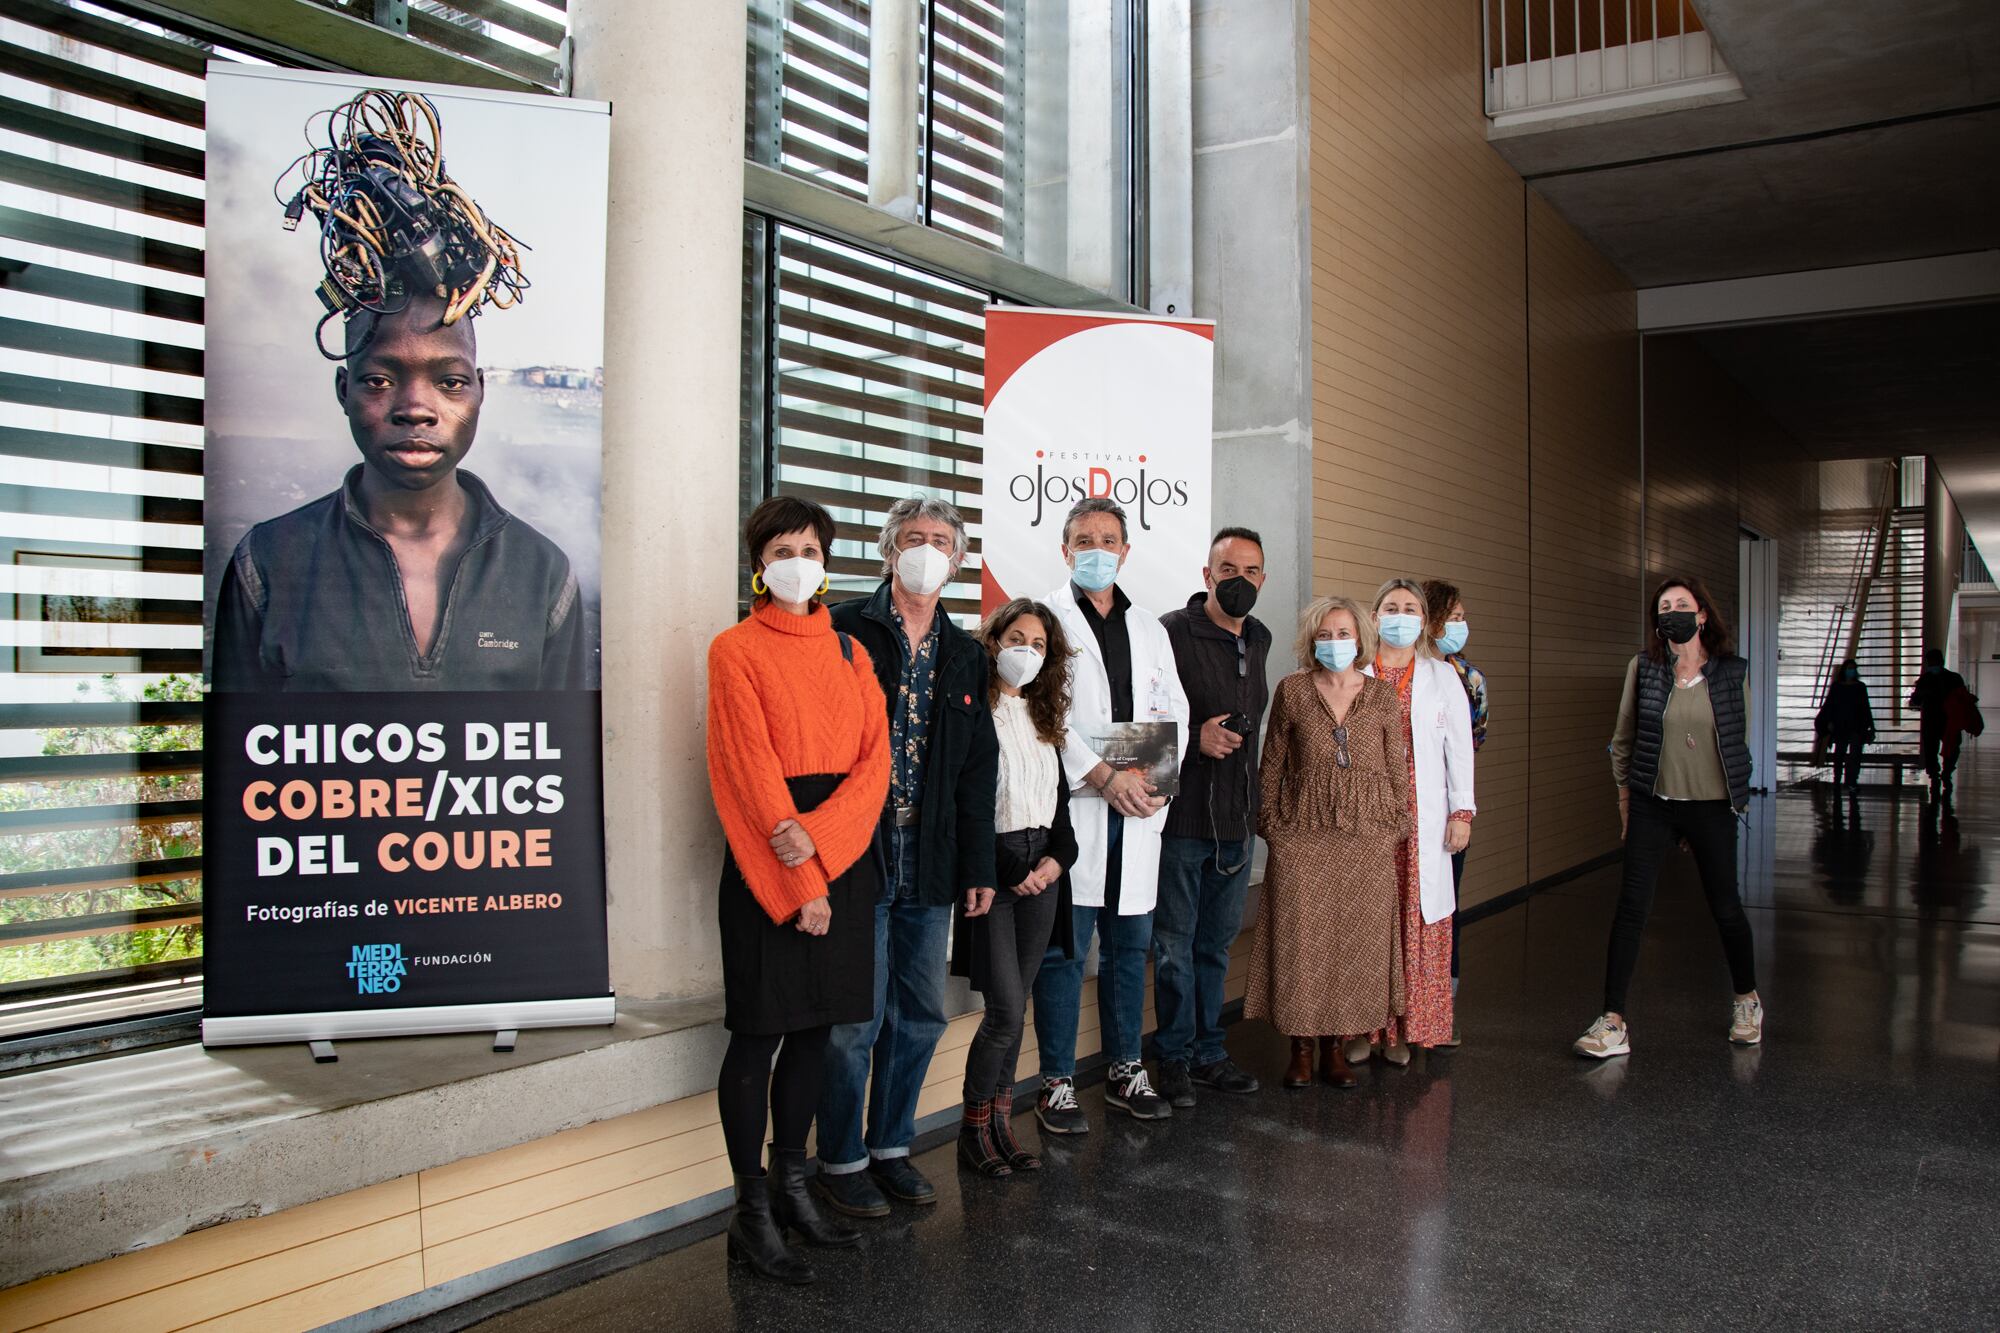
[1121, 977]
[1198, 918]
[910, 941]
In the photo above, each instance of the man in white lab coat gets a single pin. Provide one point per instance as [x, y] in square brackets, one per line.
[1122, 670]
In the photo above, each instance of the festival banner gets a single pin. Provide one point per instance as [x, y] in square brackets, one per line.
[402, 791]
[1081, 404]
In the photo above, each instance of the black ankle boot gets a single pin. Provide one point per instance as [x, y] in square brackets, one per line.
[754, 1239]
[793, 1209]
[976, 1147]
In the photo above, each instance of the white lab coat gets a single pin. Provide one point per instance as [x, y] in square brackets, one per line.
[1441, 738]
[1156, 697]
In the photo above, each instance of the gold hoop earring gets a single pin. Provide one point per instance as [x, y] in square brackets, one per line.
[757, 583]
[826, 581]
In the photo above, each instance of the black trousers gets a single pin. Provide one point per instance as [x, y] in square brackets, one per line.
[1016, 937]
[1940, 752]
[1656, 826]
[1847, 761]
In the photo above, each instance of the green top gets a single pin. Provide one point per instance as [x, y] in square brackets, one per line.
[1690, 754]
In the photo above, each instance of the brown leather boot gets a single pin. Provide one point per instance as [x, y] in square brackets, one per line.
[1333, 1066]
[1299, 1074]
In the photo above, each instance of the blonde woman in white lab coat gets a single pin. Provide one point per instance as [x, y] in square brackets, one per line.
[1438, 727]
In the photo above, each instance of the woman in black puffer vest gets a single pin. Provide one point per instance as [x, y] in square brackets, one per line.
[1683, 774]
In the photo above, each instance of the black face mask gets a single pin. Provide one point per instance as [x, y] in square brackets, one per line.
[1236, 596]
[1678, 626]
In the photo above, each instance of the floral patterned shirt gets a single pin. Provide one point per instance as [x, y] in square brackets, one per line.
[1474, 681]
[910, 711]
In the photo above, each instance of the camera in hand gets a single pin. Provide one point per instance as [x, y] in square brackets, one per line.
[1237, 723]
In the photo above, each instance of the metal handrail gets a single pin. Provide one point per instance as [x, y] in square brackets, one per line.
[1526, 45]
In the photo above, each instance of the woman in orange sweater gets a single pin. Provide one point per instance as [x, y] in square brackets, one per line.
[798, 757]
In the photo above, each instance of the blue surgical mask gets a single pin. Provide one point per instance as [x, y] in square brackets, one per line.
[1453, 638]
[1095, 570]
[1401, 631]
[1335, 654]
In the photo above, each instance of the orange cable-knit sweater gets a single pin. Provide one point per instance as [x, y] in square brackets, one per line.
[783, 703]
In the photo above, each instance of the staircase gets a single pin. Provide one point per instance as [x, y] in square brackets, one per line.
[1861, 593]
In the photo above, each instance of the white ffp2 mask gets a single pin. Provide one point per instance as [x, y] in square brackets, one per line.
[1018, 665]
[793, 581]
[923, 569]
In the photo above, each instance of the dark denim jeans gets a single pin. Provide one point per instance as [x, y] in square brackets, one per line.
[1199, 915]
[910, 942]
[1121, 976]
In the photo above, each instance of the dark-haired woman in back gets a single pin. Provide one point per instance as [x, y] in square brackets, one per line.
[1002, 950]
[798, 758]
[1683, 771]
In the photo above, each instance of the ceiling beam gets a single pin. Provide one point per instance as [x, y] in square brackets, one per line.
[1777, 297]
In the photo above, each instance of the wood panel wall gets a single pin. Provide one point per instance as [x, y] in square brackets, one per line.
[1475, 415]
[1692, 522]
[1584, 477]
[312, 1265]
[1716, 463]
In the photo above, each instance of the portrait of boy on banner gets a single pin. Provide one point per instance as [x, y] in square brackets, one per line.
[410, 574]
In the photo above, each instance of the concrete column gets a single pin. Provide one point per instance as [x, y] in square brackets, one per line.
[674, 70]
[1254, 279]
[1944, 556]
[895, 59]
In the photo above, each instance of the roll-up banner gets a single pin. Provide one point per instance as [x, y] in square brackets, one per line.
[402, 805]
[1082, 404]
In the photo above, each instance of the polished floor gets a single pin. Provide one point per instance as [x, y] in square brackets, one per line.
[1844, 1175]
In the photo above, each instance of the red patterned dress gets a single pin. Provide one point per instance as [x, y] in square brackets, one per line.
[1426, 1019]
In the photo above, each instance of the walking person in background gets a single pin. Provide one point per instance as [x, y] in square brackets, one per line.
[1444, 609]
[1327, 961]
[1437, 730]
[1123, 671]
[1220, 650]
[1846, 723]
[937, 827]
[1035, 846]
[1938, 744]
[798, 759]
[1683, 772]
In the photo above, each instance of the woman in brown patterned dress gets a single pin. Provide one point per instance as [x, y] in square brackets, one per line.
[1326, 963]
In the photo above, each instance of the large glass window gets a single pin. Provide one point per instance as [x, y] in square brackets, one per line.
[101, 308]
[1022, 131]
[100, 514]
[863, 385]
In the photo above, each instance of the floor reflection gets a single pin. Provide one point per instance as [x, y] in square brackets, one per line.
[1845, 1173]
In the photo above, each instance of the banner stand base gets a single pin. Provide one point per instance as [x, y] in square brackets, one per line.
[321, 1030]
[503, 1040]
[323, 1052]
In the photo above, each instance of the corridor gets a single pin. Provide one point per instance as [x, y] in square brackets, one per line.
[1841, 1176]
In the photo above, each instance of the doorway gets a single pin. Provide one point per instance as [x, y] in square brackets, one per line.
[1757, 618]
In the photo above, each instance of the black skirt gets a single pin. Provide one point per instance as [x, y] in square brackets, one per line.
[775, 977]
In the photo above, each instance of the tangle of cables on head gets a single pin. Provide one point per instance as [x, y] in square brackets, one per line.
[392, 221]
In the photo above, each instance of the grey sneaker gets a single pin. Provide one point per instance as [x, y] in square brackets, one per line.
[1746, 1022]
[1607, 1037]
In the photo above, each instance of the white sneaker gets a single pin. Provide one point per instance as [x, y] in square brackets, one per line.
[1607, 1037]
[1746, 1022]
